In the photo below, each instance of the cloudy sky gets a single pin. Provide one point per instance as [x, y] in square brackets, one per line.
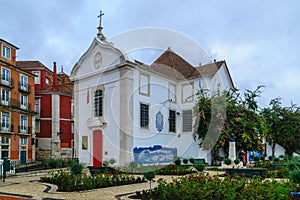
[259, 39]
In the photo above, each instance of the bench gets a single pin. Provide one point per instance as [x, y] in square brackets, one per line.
[274, 166]
[247, 172]
[94, 170]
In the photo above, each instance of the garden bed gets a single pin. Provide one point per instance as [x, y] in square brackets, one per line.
[247, 172]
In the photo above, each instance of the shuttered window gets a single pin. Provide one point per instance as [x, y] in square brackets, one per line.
[187, 121]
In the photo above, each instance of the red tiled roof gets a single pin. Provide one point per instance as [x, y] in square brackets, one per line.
[171, 65]
[29, 64]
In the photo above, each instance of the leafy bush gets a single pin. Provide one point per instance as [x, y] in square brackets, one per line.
[270, 157]
[177, 161]
[68, 182]
[295, 176]
[256, 158]
[76, 168]
[175, 170]
[294, 163]
[227, 161]
[53, 163]
[200, 167]
[281, 156]
[192, 160]
[237, 161]
[210, 188]
[262, 158]
[276, 159]
[185, 161]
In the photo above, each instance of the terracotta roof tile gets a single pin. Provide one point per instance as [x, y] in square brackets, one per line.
[29, 64]
[171, 65]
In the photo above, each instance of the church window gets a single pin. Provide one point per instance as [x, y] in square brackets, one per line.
[187, 92]
[144, 115]
[172, 93]
[98, 103]
[187, 121]
[144, 85]
[172, 121]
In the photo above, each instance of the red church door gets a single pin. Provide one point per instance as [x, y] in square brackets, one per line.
[97, 148]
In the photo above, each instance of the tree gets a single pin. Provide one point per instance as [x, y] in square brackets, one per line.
[283, 126]
[229, 113]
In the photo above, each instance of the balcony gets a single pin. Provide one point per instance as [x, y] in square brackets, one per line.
[16, 104]
[24, 130]
[24, 88]
[7, 83]
[6, 128]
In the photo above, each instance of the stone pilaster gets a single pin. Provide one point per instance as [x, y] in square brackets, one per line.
[126, 112]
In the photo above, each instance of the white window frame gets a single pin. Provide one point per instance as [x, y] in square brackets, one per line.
[6, 52]
[23, 123]
[145, 86]
[172, 93]
[5, 76]
[37, 126]
[37, 78]
[175, 119]
[23, 82]
[148, 118]
[5, 96]
[23, 101]
[23, 141]
[5, 121]
[37, 106]
[189, 97]
[98, 103]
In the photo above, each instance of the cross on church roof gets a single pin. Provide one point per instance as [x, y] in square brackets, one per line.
[100, 16]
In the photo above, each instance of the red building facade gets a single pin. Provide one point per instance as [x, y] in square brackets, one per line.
[53, 107]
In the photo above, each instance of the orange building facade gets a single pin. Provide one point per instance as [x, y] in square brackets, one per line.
[17, 138]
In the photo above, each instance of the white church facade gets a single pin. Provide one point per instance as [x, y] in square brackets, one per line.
[129, 111]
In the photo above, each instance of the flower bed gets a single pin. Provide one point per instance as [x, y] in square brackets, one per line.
[205, 187]
[68, 182]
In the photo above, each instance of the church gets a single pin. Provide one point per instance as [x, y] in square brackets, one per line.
[127, 110]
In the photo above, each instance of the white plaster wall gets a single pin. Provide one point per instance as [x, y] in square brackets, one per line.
[279, 150]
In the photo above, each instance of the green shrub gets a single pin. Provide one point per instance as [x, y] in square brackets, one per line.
[53, 163]
[192, 160]
[262, 158]
[112, 161]
[275, 159]
[177, 161]
[200, 167]
[227, 161]
[210, 188]
[185, 161]
[256, 158]
[76, 168]
[237, 161]
[281, 156]
[295, 176]
[294, 163]
[270, 157]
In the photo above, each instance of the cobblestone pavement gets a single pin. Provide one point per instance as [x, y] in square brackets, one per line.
[30, 188]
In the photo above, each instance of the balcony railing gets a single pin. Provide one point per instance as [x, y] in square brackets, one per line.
[6, 128]
[24, 88]
[16, 104]
[8, 83]
[24, 130]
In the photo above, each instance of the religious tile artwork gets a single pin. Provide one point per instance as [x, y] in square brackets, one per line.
[254, 153]
[155, 154]
[159, 121]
